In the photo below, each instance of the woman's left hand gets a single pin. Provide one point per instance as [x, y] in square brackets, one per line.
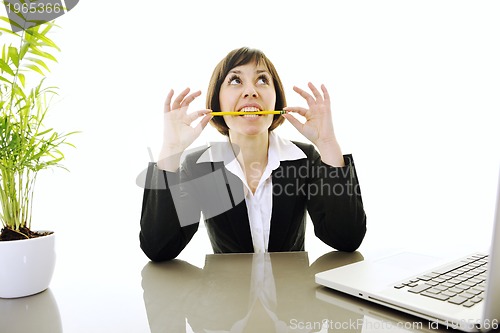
[318, 125]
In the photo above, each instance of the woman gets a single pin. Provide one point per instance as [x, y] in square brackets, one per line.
[254, 191]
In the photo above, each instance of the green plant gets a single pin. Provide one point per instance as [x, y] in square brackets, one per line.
[26, 145]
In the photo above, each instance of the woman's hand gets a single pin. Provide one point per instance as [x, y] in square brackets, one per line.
[178, 133]
[318, 127]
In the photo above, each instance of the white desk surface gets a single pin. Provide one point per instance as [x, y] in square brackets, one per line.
[99, 287]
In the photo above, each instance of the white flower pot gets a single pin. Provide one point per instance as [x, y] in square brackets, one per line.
[26, 266]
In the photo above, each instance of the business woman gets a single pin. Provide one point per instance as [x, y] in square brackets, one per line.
[255, 189]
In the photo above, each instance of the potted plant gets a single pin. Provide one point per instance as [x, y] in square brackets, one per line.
[27, 146]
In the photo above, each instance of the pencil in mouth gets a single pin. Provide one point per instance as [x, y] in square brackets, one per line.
[242, 113]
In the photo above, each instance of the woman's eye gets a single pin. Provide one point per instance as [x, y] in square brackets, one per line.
[263, 80]
[234, 80]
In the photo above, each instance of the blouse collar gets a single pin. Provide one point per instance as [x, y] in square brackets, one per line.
[280, 149]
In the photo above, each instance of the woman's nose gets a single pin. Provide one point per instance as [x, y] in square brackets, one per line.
[250, 91]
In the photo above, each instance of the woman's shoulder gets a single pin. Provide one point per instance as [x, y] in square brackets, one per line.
[193, 155]
[204, 159]
[307, 148]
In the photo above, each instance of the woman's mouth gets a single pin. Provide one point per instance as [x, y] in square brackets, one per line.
[250, 109]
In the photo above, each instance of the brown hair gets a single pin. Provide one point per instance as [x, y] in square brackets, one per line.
[235, 58]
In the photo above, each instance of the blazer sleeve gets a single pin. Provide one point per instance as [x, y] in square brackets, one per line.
[334, 203]
[169, 216]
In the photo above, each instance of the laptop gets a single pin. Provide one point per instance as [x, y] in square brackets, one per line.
[374, 317]
[463, 294]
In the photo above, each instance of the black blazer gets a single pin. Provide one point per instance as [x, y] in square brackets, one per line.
[173, 201]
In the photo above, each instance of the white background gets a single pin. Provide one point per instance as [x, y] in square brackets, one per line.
[415, 99]
[415, 88]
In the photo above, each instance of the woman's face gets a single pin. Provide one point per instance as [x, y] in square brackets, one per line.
[248, 87]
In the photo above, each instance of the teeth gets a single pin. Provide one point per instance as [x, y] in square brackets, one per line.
[250, 109]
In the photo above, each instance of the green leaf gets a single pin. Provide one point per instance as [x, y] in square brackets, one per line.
[22, 79]
[5, 67]
[9, 32]
[47, 28]
[39, 62]
[14, 55]
[24, 49]
[4, 79]
[10, 21]
[19, 92]
[38, 52]
[35, 68]
[47, 41]
[45, 132]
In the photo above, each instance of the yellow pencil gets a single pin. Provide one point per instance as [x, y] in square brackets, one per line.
[239, 113]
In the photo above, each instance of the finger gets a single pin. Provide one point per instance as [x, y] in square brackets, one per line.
[316, 93]
[294, 121]
[203, 123]
[297, 109]
[197, 114]
[325, 94]
[190, 98]
[310, 100]
[179, 99]
[168, 100]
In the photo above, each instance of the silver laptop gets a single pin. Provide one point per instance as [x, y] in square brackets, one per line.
[463, 294]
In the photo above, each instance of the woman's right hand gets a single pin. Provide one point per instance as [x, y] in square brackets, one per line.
[178, 133]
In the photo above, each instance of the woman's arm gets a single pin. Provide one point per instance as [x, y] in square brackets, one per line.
[335, 204]
[169, 217]
[334, 198]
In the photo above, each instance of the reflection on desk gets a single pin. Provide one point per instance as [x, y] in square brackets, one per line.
[271, 292]
[37, 313]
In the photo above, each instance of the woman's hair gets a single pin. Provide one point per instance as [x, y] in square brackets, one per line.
[235, 58]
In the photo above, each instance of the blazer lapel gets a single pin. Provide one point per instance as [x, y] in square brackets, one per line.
[237, 217]
[282, 210]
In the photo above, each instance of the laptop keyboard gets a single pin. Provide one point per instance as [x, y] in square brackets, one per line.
[462, 283]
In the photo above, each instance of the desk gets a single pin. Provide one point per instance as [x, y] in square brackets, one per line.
[230, 293]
